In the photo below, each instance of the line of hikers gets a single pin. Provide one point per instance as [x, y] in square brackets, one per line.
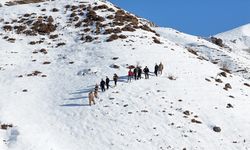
[136, 74]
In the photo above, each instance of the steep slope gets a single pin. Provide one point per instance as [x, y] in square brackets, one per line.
[49, 64]
[235, 62]
[238, 39]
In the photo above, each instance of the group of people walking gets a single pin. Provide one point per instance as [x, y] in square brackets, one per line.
[104, 85]
[136, 73]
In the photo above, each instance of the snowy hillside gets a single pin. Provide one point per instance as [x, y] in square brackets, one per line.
[238, 39]
[53, 53]
[236, 61]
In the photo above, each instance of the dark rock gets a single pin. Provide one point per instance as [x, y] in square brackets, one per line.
[25, 90]
[32, 42]
[20, 28]
[111, 9]
[50, 19]
[92, 16]
[122, 36]
[6, 126]
[217, 41]
[87, 38]
[196, 121]
[224, 74]
[112, 37]
[100, 7]
[218, 80]
[227, 86]
[192, 51]
[157, 41]
[67, 6]
[110, 17]
[246, 84]
[60, 44]
[78, 24]
[53, 36]
[186, 112]
[7, 28]
[46, 62]
[55, 10]
[126, 105]
[73, 14]
[207, 79]
[226, 70]
[11, 40]
[171, 77]
[43, 28]
[146, 28]
[86, 29]
[216, 129]
[114, 66]
[44, 51]
[229, 105]
[73, 8]
[128, 28]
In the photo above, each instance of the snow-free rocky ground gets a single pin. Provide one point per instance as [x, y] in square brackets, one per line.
[49, 64]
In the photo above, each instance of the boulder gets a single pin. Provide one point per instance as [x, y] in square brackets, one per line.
[216, 129]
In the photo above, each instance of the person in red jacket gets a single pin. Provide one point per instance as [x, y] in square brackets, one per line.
[130, 75]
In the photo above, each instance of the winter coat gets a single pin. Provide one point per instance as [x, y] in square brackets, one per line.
[115, 77]
[156, 68]
[107, 81]
[139, 71]
[135, 70]
[96, 88]
[146, 70]
[160, 67]
[130, 73]
[102, 84]
[91, 96]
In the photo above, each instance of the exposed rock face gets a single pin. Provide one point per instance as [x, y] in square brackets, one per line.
[18, 2]
[217, 41]
[26, 24]
[116, 20]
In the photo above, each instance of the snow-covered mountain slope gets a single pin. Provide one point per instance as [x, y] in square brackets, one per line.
[49, 64]
[238, 39]
[236, 62]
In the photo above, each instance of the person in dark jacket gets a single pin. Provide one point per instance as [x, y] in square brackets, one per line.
[96, 91]
[146, 72]
[102, 85]
[115, 78]
[156, 70]
[139, 73]
[107, 82]
[135, 73]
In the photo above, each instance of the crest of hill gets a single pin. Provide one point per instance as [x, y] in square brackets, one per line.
[238, 38]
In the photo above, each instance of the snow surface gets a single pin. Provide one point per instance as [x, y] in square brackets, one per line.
[146, 114]
[238, 39]
[237, 61]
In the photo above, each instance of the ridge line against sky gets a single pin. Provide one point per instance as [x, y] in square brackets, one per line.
[197, 17]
